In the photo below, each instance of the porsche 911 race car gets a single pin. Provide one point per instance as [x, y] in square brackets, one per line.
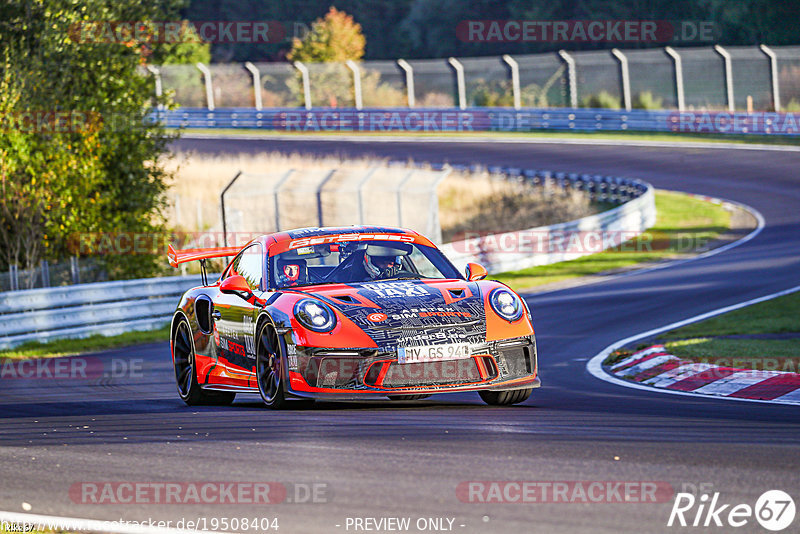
[348, 313]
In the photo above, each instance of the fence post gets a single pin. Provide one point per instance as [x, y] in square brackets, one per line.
[399, 195]
[462, 91]
[435, 228]
[571, 77]
[625, 77]
[256, 83]
[773, 68]
[726, 57]
[319, 195]
[514, 80]
[74, 271]
[676, 58]
[361, 185]
[13, 275]
[356, 82]
[156, 72]
[403, 64]
[306, 83]
[275, 192]
[208, 84]
[222, 206]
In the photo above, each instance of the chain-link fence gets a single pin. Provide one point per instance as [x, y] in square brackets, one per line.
[384, 196]
[74, 271]
[707, 78]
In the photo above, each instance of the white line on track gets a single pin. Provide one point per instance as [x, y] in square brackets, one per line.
[725, 145]
[51, 522]
[595, 365]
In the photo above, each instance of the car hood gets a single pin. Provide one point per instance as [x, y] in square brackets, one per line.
[411, 312]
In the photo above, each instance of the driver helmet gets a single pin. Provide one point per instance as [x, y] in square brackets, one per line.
[382, 266]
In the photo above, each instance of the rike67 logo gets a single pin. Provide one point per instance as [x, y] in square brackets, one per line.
[774, 510]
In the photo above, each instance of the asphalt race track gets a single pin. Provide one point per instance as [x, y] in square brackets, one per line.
[406, 460]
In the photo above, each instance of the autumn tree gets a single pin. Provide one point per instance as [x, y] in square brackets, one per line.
[77, 154]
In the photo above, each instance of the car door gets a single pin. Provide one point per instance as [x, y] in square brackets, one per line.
[235, 315]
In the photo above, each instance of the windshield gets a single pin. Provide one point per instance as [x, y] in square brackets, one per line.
[348, 262]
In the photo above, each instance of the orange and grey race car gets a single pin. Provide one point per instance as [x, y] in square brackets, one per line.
[348, 313]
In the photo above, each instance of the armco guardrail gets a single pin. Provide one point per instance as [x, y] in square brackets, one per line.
[481, 120]
[111, 308]
[564, 241]
[107, 308]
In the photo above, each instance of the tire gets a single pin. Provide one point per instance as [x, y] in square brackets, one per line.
[183, 361]
[269, 367]
[407, 397]
[505, 398]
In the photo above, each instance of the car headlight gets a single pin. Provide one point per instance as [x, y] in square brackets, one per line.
[506, 304]
[314, 315]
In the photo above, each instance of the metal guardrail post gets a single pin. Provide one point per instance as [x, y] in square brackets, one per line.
[208, 84]
[462, 90]
[256, 84]
[571, 76]
[275, 192]
[74, 271]
[514, 80]
[356, 82]
[13, 275]
[726, 57]
[676, 58]
[625, 76]
[222, 205]
[45, 267]
[156, 72]
[403, 64]
[435, 229]
[306, 83]
[361, 185]
[319, 195]
[399, 195]
[773, 68]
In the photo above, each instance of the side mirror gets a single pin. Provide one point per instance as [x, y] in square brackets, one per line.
[235, 284]
[475, 271]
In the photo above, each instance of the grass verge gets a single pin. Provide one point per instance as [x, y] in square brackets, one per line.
[550, 134]
[69, 347]
[767, 337]
[684, 224]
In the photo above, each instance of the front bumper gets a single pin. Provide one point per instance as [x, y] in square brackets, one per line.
[366, 373]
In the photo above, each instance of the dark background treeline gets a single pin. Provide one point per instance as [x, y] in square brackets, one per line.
[427, 28]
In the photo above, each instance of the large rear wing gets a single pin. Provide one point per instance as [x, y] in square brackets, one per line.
[176, 257]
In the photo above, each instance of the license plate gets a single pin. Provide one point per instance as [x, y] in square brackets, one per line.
[433, 353]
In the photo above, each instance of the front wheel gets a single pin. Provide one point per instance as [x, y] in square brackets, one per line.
[184, 361]
[505, 398]
[269, 367]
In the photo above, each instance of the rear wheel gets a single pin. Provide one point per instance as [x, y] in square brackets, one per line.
[505, 398]
[184, 362]
[407, 397]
